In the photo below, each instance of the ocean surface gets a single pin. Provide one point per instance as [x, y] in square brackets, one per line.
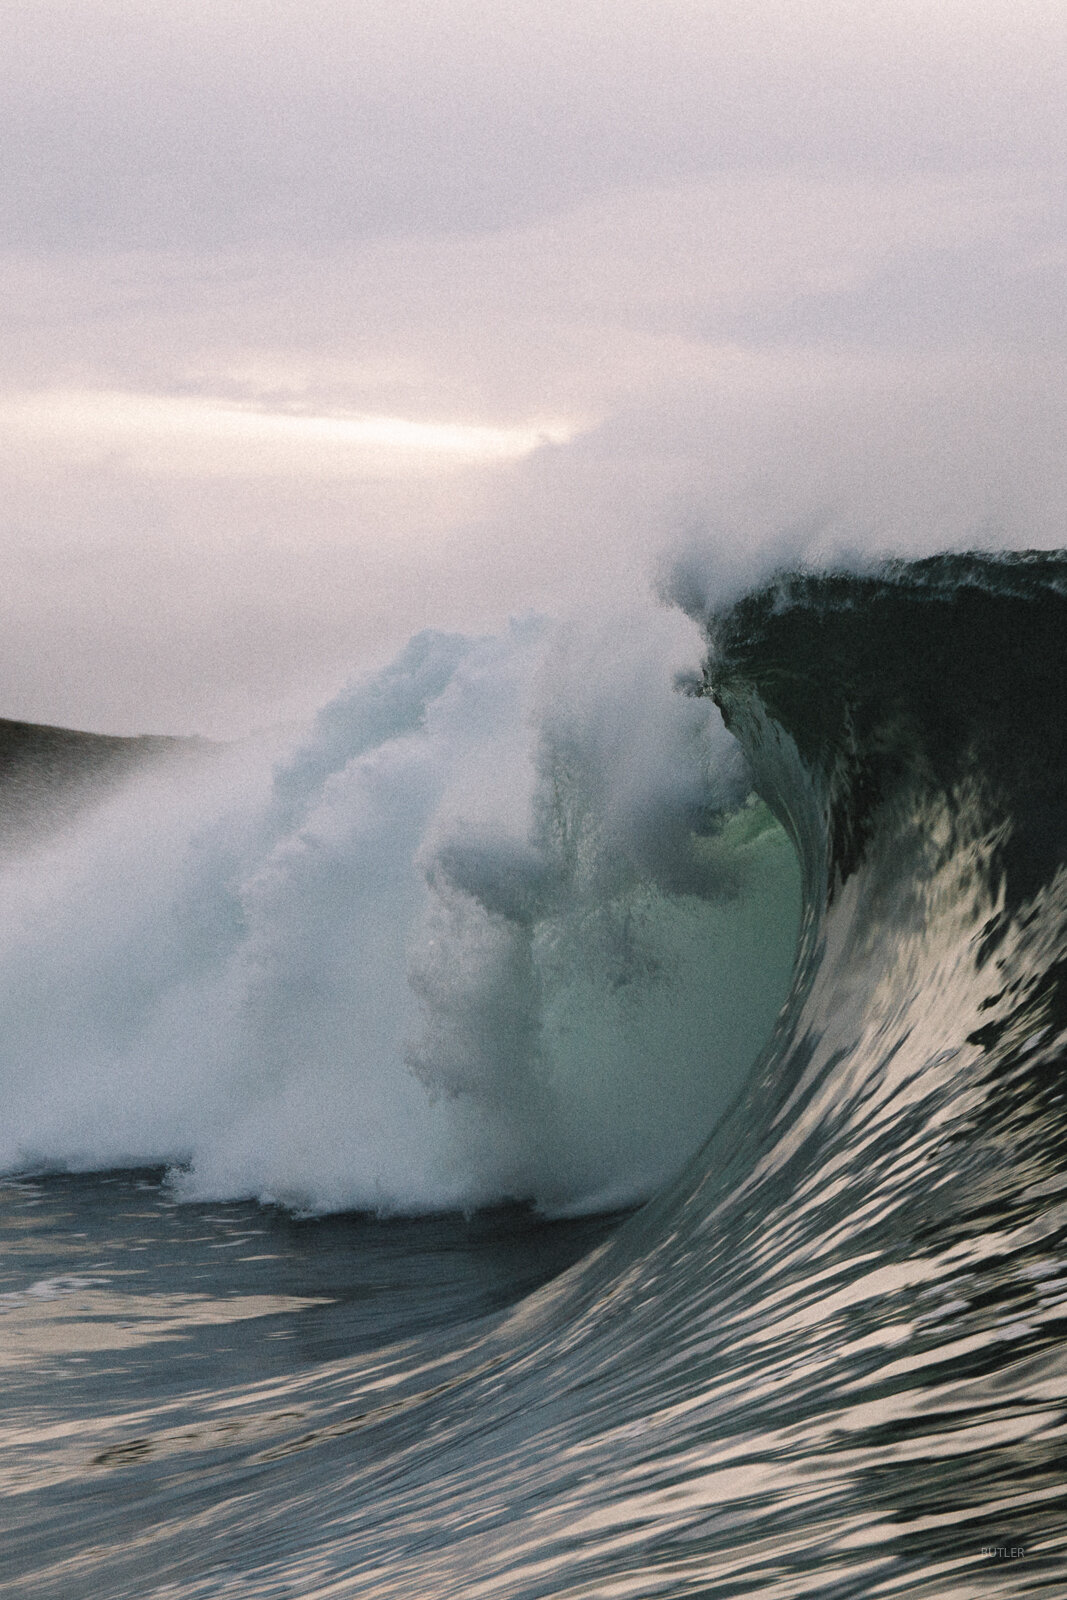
[554, 1127]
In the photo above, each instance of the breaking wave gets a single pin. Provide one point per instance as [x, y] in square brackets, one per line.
[504, 923]
[827, 1359]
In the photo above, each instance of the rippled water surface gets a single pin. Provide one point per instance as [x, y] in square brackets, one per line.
[134, 1328]
[828, 1360]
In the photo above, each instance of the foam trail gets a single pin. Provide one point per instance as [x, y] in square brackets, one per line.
[500, 924]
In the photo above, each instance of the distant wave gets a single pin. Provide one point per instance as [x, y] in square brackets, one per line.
[49, 775]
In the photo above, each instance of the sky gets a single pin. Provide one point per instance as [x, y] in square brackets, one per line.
[323, 321]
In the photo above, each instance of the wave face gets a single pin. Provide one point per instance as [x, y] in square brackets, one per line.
[829, 1359]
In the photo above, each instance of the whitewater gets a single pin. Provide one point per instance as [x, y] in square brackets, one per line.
[499, 926]
[559, 1125]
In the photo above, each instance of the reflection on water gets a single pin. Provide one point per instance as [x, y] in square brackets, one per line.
[132, 1326]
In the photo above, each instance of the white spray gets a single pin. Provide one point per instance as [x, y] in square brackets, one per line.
[498, 926]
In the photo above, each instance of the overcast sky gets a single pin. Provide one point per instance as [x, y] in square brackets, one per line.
[325, 321]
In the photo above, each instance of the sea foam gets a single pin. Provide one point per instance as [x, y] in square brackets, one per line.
[503, 923]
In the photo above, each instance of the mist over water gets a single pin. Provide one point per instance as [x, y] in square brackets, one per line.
[502, 923]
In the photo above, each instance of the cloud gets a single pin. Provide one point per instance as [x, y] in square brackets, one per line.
[124, 123]
[212, 437]
[325, 323]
